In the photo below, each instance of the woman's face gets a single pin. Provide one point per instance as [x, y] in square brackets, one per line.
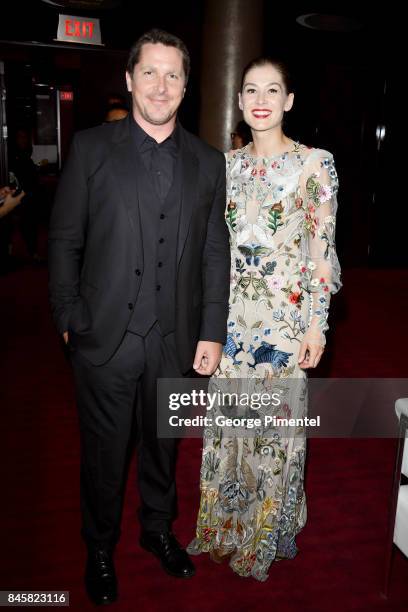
[263, 99]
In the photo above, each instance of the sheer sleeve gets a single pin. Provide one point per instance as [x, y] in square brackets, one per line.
[320, 269]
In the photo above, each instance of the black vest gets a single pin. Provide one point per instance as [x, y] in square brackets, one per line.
[159, 221]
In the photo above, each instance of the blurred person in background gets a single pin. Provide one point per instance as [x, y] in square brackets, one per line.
[241, 136]
[10, 198]
[115, 113]
[26, 172]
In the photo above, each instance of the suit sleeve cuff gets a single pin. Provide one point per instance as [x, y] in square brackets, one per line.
[214, 323]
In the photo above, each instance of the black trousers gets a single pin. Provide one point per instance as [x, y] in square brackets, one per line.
[111, 399]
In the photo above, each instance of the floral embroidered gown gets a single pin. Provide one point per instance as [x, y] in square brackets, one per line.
[281, 217]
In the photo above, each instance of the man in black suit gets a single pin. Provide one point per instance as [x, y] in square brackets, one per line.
[139, 287]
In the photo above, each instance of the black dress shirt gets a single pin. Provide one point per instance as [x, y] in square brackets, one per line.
[158, 158]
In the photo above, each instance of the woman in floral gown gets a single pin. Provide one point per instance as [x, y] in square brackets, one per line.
[281, 207]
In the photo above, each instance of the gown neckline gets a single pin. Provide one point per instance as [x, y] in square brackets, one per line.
[295, 147]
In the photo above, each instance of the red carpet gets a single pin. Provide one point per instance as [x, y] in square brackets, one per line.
[340, 563]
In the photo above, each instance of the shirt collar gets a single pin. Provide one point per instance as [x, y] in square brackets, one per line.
[141, 138]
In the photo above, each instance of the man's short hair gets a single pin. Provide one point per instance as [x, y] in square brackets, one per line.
[156, 36]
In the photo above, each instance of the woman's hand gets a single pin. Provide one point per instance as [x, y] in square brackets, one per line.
[310, 352]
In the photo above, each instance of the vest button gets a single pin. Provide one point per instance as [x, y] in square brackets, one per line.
[161, 240]
[162, 216]
[137, 272]
[158, 287]
[130, 306]
[160, 264]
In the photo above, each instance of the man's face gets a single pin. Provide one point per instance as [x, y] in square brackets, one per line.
[157, 83]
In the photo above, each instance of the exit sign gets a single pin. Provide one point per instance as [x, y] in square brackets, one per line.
[84, 30]
[66, 96]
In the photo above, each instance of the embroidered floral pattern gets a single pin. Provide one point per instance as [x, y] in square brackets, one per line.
[281, 217]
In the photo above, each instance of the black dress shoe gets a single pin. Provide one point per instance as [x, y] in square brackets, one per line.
[100, 577]
[174, 560]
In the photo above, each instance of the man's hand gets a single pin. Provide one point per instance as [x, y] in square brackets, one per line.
[309, 353]
[65, 336]
[207, 357]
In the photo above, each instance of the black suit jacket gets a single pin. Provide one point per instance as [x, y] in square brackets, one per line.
[95, 244]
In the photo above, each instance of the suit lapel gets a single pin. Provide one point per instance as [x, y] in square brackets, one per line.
[189, 191]
[124, 166]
